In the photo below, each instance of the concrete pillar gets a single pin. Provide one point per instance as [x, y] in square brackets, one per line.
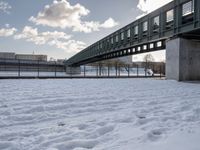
[73, 70]
[182, 59]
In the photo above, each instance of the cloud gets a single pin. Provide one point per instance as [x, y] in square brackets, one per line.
[58, 39]
[5, 32]
[61, 14]
[5, 7]
[32, 35]
[148, 6]
[109, 23]
[69, 46]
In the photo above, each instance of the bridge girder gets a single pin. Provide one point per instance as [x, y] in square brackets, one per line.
[177, 18]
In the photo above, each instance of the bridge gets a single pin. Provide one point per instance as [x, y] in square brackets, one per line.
[174, 27]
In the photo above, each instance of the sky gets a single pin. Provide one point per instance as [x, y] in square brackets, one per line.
[61, 28]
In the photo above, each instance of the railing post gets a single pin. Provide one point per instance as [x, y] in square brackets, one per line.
[119, 70]
[97, 71]
[160, 71]
[116, 70]
[153, 69]
[84, 71]
[55, 69]
[19, 68]
[38, 69]
[100, 70]
[163, 66]
[128, 71]
[108, 70]
[145, 69]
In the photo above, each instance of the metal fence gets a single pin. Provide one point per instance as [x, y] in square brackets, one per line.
[21, 68]
[117, 70]
[42, 69]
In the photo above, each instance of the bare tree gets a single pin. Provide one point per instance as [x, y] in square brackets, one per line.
[148, 58]
[149, 62]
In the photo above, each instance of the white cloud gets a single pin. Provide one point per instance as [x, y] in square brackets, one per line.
[59, 39]
[69, 46]
[63, 15]
[109, 23]
[5, 7]
[148, 6]
[32, 35]
[5, 32]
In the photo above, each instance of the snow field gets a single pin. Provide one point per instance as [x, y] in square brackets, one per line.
[113, 114]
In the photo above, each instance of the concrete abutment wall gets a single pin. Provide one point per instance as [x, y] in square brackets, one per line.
[183, 59]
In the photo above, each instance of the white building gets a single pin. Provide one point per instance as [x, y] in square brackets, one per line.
[31, 57]
[7, 55]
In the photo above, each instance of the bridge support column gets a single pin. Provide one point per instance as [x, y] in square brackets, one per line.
[73, 70]
[182, 59]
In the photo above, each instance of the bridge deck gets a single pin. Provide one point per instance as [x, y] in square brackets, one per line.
[147, 34]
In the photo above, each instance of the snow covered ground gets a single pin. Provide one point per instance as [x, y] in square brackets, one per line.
[113, 114]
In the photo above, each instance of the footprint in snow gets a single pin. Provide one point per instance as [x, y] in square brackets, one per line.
[82, 126]
[104, 130]
[61, 124]
[155, 134]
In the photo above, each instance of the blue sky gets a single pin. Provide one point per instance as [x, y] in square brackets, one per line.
[61, 28]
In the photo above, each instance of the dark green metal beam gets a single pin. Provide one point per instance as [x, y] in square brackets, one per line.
[174, 20]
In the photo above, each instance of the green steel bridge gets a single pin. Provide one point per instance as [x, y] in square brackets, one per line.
[179, 18]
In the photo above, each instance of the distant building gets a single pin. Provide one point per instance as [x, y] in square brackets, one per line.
[60, 60]
[6, 55]
[31, 57]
